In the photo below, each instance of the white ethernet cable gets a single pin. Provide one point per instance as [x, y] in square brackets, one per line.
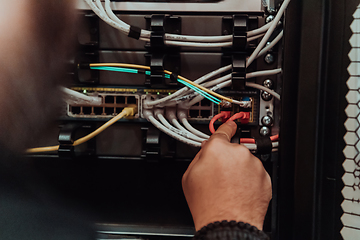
[150, 117]
[272, 44]
[178, 40]
[74, 97]
[157, 124]
[264, 40]
[183, 118]
[171, 116]
[182, 97]
[226, 79]
[184, 134]
[248, 84]
[182, 115]
[184, 90]
[145, 35]
[263, 88]
[192, 129]
[252, 146]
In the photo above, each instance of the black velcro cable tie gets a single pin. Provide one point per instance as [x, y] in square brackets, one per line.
[141, 71]
[263, 145]
[134, 32]
[83, 66]
[174, 77]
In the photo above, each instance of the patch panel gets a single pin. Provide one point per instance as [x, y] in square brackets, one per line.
[113, 102]
[203, 110]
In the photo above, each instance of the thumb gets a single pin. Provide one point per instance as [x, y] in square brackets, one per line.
[225, 131]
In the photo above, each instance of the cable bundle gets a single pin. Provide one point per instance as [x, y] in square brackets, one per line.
[193, 91]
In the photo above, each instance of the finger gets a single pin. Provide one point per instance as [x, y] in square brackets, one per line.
[204, 143]
[225, 131]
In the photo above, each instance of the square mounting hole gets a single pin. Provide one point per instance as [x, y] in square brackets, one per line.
[205, 113]
[205, 102]
[75, 110]
[109, 110]
[98, 110]
[131, 100]
[87, 110]
[194, 113]
[120, 99]
[109, 99]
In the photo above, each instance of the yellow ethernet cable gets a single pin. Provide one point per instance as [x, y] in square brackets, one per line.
[128, 111]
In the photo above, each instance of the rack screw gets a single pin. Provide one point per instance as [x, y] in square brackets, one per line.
[267, 121]
[268, 83]
[264, 131]
[269, 58]
[266, 96]
[269, 18]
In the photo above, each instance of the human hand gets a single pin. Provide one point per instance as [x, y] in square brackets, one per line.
[226, 182]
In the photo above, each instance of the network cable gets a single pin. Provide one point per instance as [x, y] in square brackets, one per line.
[128, 111]
[264, 40]
[205, 92]
[174, 39]
[167, 72]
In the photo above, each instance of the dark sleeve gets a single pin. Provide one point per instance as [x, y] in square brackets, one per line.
[26, 219]
[230, 231]
[29, 211]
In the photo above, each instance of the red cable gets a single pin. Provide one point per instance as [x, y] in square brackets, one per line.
[215, 118]
[274, 138]
[251, 140]
[242, 116]
[225, 115]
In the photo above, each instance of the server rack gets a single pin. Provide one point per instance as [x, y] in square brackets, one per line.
[308, 183]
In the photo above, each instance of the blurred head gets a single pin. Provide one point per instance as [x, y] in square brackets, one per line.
[35, 42]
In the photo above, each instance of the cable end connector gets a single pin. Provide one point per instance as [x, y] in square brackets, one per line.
[225, 116]
[246, 118]
[225, 104]
[130, 111]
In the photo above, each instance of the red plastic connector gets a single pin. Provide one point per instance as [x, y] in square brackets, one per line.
[226, 116]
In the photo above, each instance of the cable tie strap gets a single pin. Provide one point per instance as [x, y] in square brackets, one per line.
[141, 71]
[83, 66]
[263, 145]
[134, 32]
[174, 77]
[238, 76]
